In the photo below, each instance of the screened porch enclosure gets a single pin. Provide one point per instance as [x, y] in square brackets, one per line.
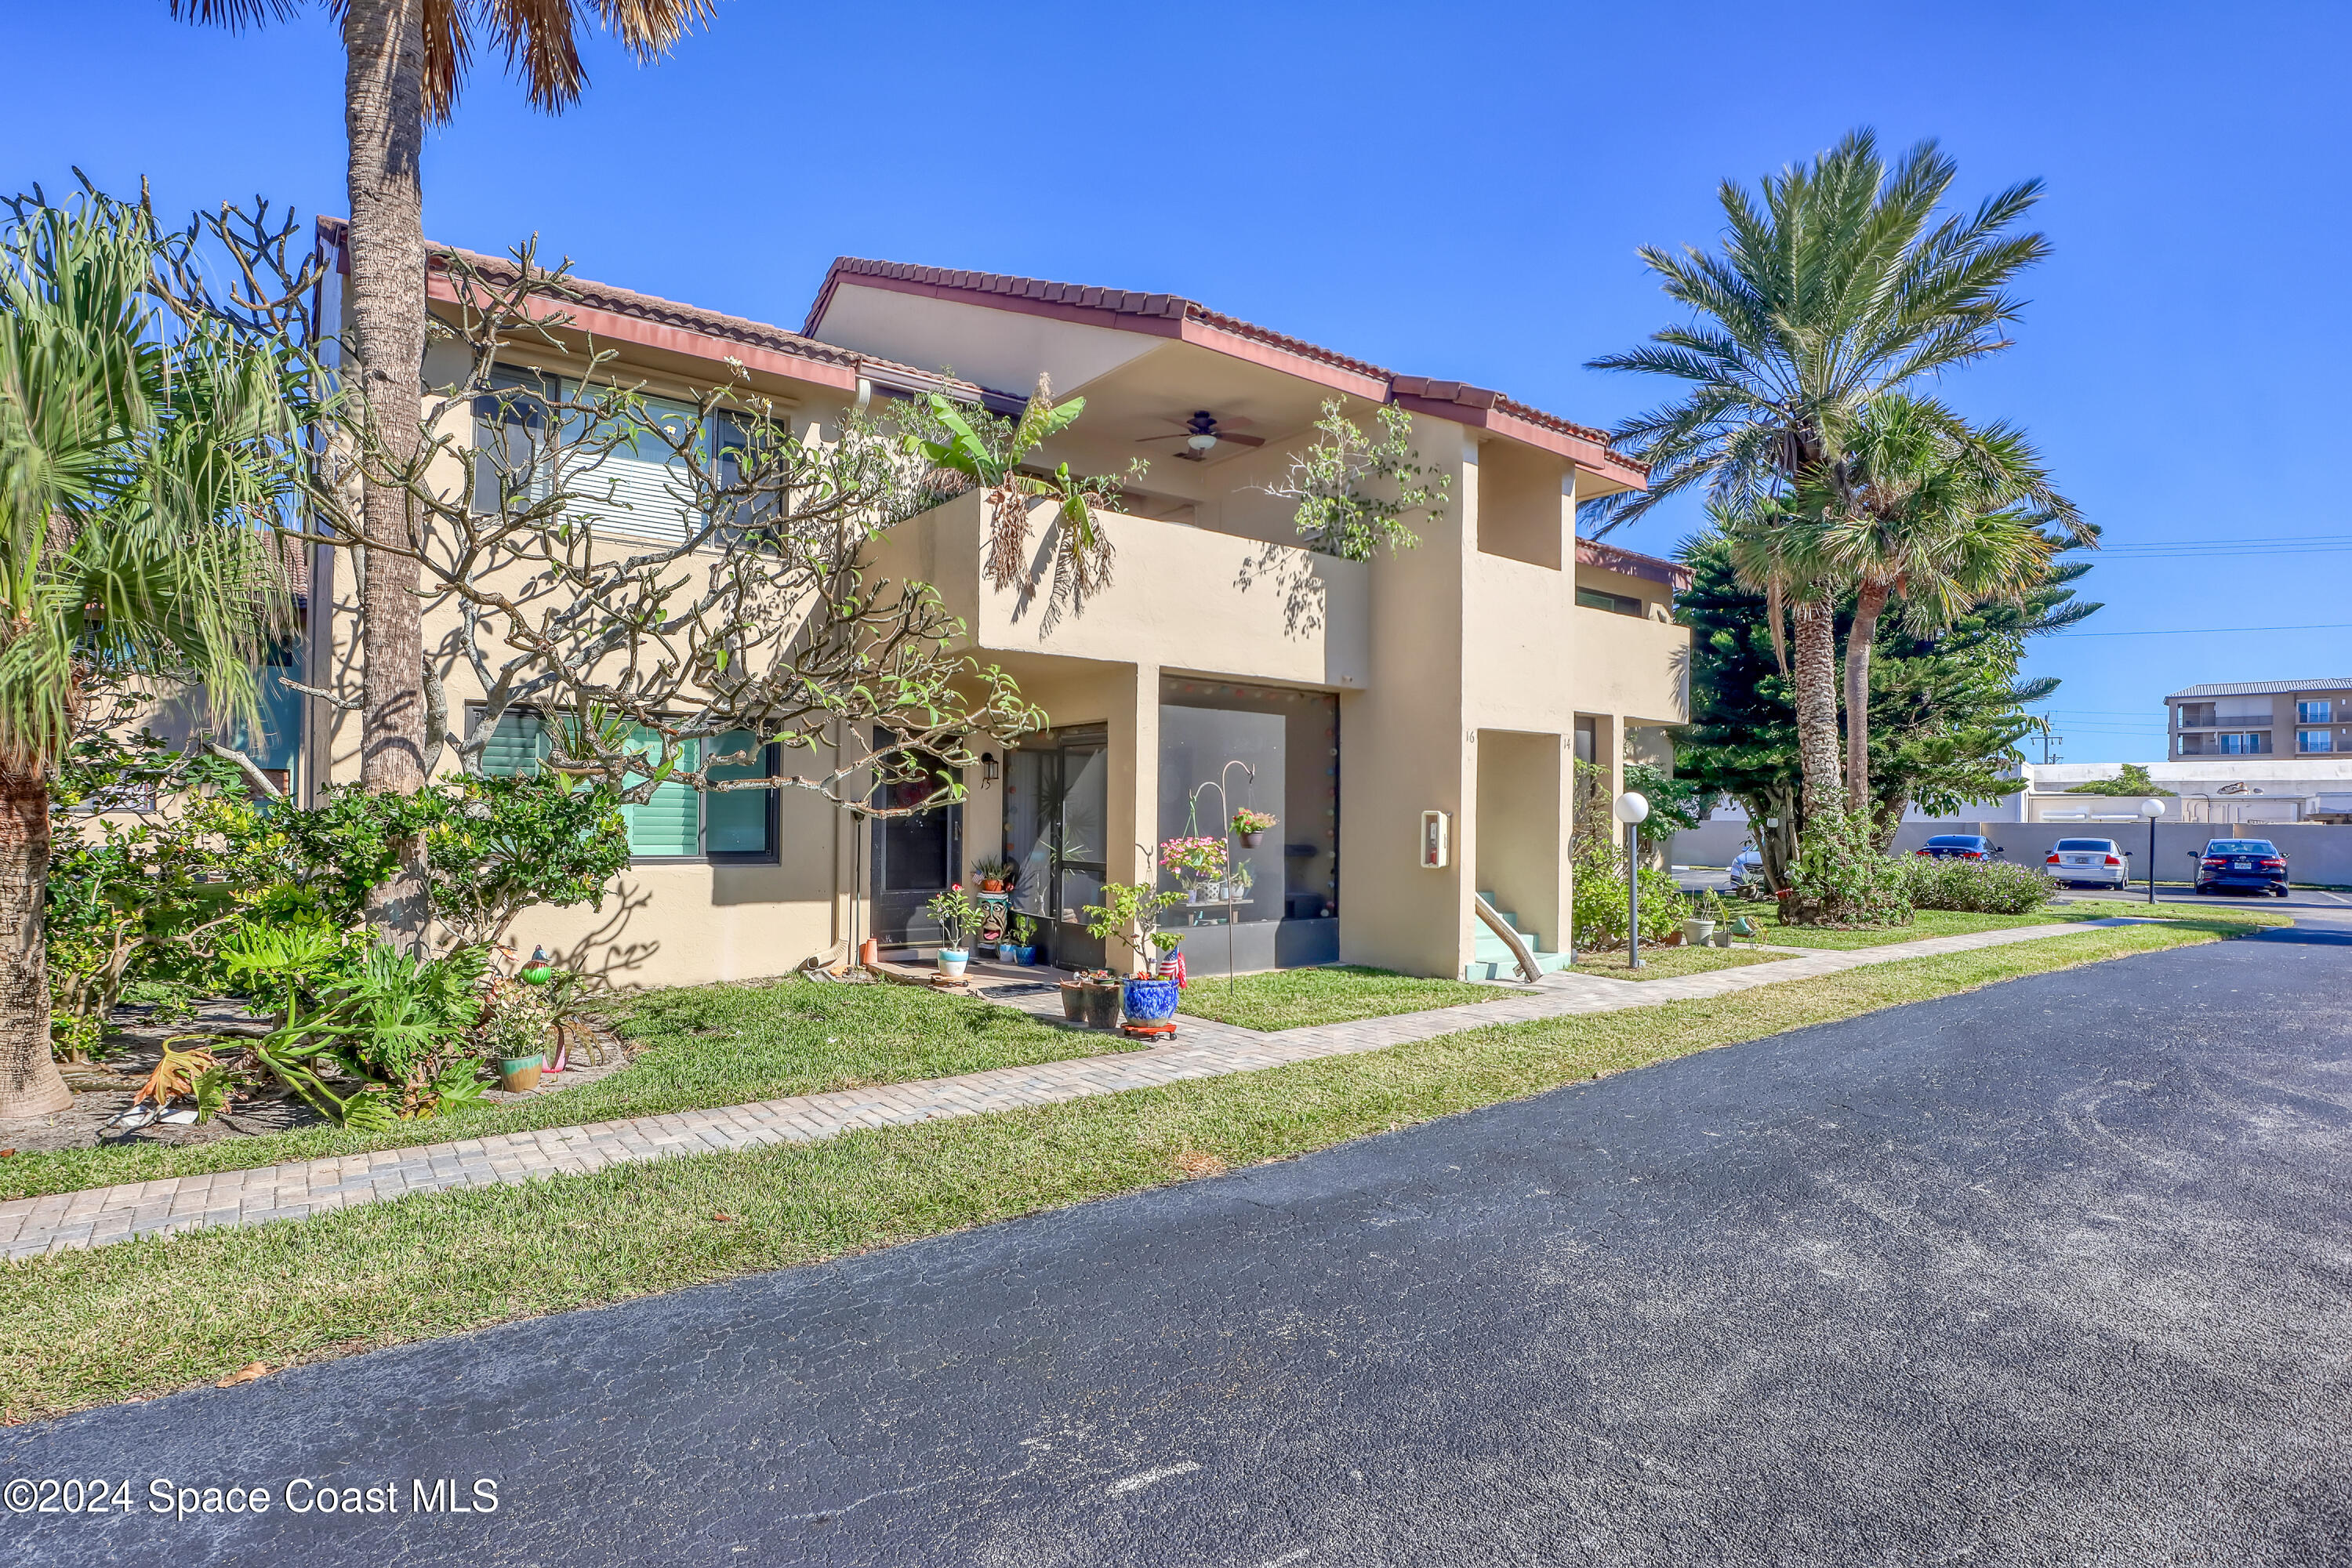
[1226, 746]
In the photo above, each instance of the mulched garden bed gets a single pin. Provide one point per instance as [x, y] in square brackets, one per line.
[102, 1089]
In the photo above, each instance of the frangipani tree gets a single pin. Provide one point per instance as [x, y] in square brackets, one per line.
[405, 64]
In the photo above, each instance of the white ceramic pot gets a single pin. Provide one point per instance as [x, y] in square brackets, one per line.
[1698, 933]
[952, 960]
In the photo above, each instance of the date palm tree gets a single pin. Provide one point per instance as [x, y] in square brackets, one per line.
[1923, 511]
[1836, 282]
[139, 465]
[405, 61]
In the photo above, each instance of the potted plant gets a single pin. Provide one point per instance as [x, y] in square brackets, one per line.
[1100, 995]
[1253, 825]
[1699, 927]
[513, 1033]
[1024, 940]
[959, 917]
[1128, 913]
[994, 876]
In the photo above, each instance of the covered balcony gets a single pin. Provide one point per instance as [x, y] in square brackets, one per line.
[1180, 596]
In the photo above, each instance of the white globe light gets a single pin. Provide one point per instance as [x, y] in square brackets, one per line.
[1203, 442]
[2151, 808]
[1630, 808]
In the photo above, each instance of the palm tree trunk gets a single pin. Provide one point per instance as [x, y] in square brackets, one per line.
[383, 115]
[1858, 642]
[29, 1081]
[1816, 736]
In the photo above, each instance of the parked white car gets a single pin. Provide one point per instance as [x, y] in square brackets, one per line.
[2087, 863]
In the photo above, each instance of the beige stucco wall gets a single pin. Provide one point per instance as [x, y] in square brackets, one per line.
[1405, 747]
[1524, 828]
[1636, 669]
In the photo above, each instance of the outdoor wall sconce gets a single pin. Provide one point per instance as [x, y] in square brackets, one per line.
[988, 767]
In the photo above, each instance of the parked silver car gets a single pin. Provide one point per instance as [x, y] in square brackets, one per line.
[2087, 862]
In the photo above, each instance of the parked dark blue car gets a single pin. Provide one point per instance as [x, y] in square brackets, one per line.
[2248, 865]
[1960, 846]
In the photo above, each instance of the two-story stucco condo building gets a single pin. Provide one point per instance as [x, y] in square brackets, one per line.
[1460, 678]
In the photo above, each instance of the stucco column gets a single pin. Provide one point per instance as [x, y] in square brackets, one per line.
[1405, 747]
[1131, 815]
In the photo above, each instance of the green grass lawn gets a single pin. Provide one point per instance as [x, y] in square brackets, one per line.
[701, 1047]
[1333, 993]
[1946, 922]
[146, 1317]
[1665, 963]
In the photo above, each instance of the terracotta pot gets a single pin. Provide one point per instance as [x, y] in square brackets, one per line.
[1074, 1001]
[991, 886]
[869, 953]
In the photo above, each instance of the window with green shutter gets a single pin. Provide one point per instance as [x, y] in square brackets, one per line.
[678, 822]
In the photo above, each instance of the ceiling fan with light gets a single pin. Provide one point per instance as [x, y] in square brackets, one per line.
[1201, 435]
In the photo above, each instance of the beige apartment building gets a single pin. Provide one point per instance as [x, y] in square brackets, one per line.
[1411, 721]
[2261, 718]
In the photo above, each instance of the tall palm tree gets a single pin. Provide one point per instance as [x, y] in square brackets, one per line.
[1773, 552]
[138, 472]
[404, 62]
[1920, 508]
[1836, 282]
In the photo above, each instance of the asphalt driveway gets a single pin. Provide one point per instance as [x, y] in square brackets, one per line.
[2060, 1271]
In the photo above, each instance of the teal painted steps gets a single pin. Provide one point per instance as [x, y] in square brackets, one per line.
[1491, 956]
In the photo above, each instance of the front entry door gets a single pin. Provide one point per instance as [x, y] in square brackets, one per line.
[915, 856]
[1057, 792]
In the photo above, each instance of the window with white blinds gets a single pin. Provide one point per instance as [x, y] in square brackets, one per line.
[637, 490]
[640, 488]
[678, 822]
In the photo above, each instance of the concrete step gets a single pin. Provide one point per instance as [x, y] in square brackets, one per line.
[1499, 964]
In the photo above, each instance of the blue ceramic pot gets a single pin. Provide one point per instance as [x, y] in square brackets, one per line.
[1149, 1001]
[1029, 954]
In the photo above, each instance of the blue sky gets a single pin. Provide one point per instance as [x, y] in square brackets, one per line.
[1449, 189]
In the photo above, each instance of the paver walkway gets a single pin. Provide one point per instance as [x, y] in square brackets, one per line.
[64, 1221]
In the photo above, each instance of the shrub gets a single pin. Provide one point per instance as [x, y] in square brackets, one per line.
[1975, 887]
[1841, 879]
[1597, 905]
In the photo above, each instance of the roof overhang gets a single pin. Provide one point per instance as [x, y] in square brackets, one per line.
[618, 315]
[1172, 316]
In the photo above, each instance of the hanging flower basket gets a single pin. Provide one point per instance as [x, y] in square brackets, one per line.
[1253, 825]
[1195, 859]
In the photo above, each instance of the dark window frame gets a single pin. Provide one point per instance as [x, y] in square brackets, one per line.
[771, 758]
[1617, 604]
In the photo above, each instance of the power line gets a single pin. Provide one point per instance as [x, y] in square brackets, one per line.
[2209, 631]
